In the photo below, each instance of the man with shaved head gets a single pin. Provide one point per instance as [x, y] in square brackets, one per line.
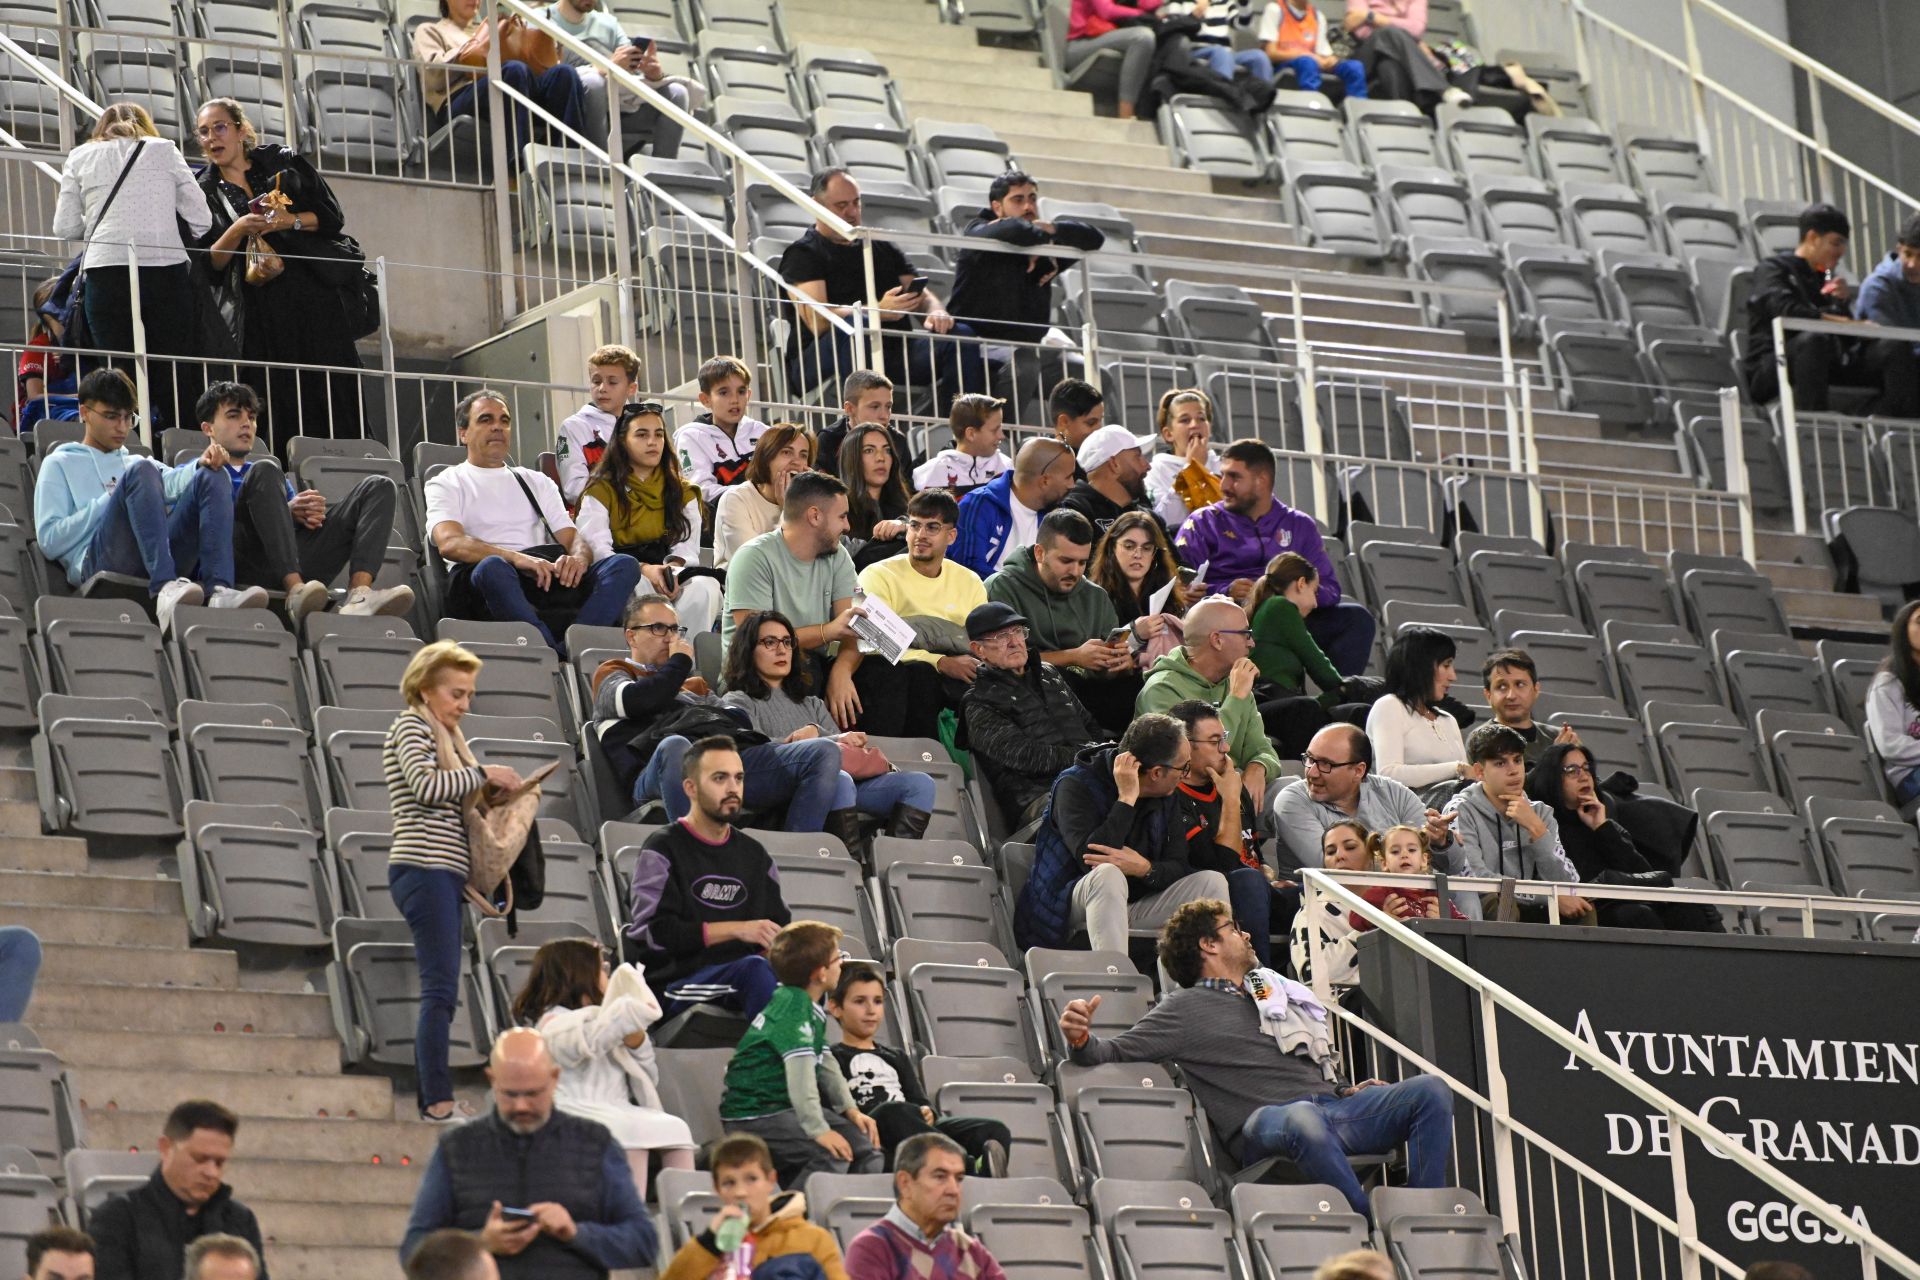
[1214, 665]
[1005, 512]
[549, 1194]
[1341, 785]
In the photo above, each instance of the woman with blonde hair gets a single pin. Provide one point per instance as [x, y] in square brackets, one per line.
[429, 774]
[745, 511]
[1186, 477]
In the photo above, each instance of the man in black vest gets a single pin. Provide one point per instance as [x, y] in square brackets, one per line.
[550, 1193]
[144, 1234]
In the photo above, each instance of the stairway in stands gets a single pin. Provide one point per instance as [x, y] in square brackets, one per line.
[143, 1021]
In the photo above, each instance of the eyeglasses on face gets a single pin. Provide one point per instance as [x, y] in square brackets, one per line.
[1218, 741]
[1576, 771]
[1007, 637]
[775, 642]
[218, 130]
[659, 628]
[1315, 764]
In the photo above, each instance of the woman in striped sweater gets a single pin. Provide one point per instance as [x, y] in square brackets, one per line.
[427, 865]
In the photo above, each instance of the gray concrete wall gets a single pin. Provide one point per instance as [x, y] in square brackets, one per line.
[418, 228]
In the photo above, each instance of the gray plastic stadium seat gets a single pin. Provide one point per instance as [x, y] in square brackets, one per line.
[1220, 321]
[944, 903]
[1260, 405]
[1765, 848]
[343, 27]
[869, 145]
[1869, 851]
[357, 662]
[94, 1177]
[888, 850]
[1777, 681]
[1534, 584]
[1165, 1229]
[1400, 614]
[1737, 601]
[21, 683]
[1441, 1231]
[1388, 132]
[1688, 363]
[237, 655]
[1334, 202]
[687, 1201]
[1659, 163]
[506, 962]
[1414, 573]
[773, 133]
[248, 753]
[1633, 592]
[1574, 149]
[1879, 549]
[1814, 755]
[968, 1011]
[1557, 282]
[1205, 135]
[358, 841]
[1569, 664]
[29, 1202]
[819, 883]
[747, 19]
[1129, 1123]
[1041, 1239]
[1058, 977]
[103, 768]
[30, 106]
[749, 75]
[1650, 288]
[848, 1203]
[351, 742]
[1041, 1148]
[1365, 418]
[524, 676]
[1848, 680]
[1617, 742]
[1714, 757]
[1519, 210]
[104, 649]
[1306, 126]
[356, 120]
[961, 153]
[691, 1084]
[1133, 385]
[1395, 495]
[1610, 217]
[1508, 623]
[131, 69]
[525, 744]
[1287, 1231]
[1459, 262]
[257, 876]
[40, 1111]
[374, 985]
[1599, 371]
[1666, 672]
[1484, 140]
[575, 893]
[1766, 467]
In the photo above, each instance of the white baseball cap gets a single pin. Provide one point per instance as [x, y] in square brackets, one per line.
[1108, 443]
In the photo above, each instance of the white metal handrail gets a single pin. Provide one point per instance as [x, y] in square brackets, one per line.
[1789, 414]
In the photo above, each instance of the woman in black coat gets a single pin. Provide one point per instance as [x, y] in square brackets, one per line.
[300, 317]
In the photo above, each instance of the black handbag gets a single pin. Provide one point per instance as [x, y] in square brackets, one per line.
[340, 263]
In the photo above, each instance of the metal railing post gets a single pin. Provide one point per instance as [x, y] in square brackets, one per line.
[392, 396]
[498, 123]
[1506, 1188]
[142, 380]
[743, 273]
[1739, 485]
[1530, 461]
[1789, 429]
[624, 248]
[1683, 1217]
[871, 354]
[1696, 74]
[1089, 333]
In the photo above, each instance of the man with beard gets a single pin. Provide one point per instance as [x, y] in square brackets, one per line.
[1114, 461]
[549, 1193]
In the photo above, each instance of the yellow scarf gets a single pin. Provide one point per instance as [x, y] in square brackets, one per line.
[645, 516]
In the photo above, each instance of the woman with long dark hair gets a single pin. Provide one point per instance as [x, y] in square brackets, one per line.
[594, 1020]
[1286, 654]
[1893, 705]
[877, 495]
[1132, 561]
[1415, 741]
[636, 503]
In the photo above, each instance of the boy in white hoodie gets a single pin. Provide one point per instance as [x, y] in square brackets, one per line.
[716, 447]
[613, 372]
[99, 509]
[975, 457]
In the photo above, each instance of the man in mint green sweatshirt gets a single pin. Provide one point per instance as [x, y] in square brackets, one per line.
[97, 508]
[1213, 665]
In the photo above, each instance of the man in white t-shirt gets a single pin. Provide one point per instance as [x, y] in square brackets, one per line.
[511, 549]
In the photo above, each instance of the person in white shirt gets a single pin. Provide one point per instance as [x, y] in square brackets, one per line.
[513, 553]
[1415, 742]
[613, 372]
[1187, 476]
[975, 458]
[745, 511]
[716, 447]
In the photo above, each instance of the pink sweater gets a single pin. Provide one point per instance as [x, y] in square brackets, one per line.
[1411, 14]
[1086, 9]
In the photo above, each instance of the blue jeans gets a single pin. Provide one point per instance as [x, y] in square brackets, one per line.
[882, 795]
[744, 985]
[1318, 1133]
[800, 775]
[138, 535]
[558, 91]
[1907, 788]
[1307, 75]
[431, 902]
[1251, 897]
[19, 966]
[1344, 633]
[508, 596]
[1222, 60]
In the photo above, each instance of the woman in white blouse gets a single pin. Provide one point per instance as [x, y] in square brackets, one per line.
[1414, 741]
[750, 508]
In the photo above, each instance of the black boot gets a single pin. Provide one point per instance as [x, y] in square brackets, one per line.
[845, 824]
[908, 823]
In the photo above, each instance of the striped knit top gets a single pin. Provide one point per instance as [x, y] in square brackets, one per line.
[427, 828]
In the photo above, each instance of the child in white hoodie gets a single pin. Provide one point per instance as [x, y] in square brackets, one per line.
[613, 372]
[975, 457]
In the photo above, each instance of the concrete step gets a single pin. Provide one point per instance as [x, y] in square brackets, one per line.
[939, 97]
[61, 889]
[1329, 302]
[156, 966]
[910, 72]
[1639, 463]
[1030, 148]
[360, 1226]
[183, 1051]
[98, 926]
[47, 853]
[887, 36]
[19, 817]
[1398, 337]
[1134, 201]
[16, 783]
[1861, 612]
[352, 1143]
[1011, 118]
[249, 1093]
[328, 1182]
[1083, 167]
[1786, 547]
[331, 1262]
[1579, 520]
[1797, 577]
[1207, 226]
[121, 1007]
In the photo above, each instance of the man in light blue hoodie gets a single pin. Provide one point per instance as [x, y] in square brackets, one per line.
[1890, 295]
[99, 509]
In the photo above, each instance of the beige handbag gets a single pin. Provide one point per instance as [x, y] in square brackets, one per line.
[497, 822]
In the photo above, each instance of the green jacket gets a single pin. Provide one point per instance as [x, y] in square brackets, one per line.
[1057, 621]
[1172, 680]
[1286, 653]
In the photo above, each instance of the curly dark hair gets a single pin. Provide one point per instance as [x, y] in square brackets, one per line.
[1181, 936]
[739, 671]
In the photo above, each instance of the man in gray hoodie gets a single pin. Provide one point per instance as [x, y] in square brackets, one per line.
[1498, 831]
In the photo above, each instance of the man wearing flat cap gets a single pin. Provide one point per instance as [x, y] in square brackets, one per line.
[1023, 724]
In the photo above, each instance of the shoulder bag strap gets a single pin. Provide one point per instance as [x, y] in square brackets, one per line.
[534, 503]
[118, 182]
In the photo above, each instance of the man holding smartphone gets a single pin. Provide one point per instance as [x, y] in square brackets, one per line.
[590, 23]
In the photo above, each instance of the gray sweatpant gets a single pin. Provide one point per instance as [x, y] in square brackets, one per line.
[268, 544]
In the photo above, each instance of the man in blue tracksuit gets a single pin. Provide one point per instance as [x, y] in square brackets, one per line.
[1005, 512]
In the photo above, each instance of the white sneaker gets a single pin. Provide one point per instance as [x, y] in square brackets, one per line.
[304, 599]
[366, 602]
[1455, 96]
[244, 598]
[176, 593]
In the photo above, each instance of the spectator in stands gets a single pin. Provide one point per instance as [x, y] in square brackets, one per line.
[1022, 722]
[1132, 563]
[637, 505]
[1217, 816]
[1801, 284]
[887, 1086]
[783, 1084]
[1415, 740]
[298, 542]
[1114, 462]
[59, 1253]
[1111, 854]
[1212, 665]
[1404, 851]
[1187, 476]
[934, 596]
[1499, 832]
[1094, 27]
[877, 494]
[1239, 535]
[1077, 410]
[1007, 297]
[430, 772]
[567, 1170]
[801, 570]
[447, 1254]
[771, 1224]
[763, 683]
[613, 376]
[595, 1024]
[1890, 294]
[706, 896]
[717, 446]
[144, 1234]
[745, 511]
[1347, 845]
[223, 1257]
[1341, 784]
[832, 272]
[1359, 1264]
[20, 956]
[513, 553]
[1005, 513]
[651, 708]
[975, 457]
[1293, 35]
[99, 509]
[1285, 653]
[1074, 626]
[590, 22]
[1388, 42]
[46, 377]
[1212, 44]
[142, 224]
[866, 399]
[1893, 706]
[453, 82]
[299, 316]
[918, 1237]
[1512, 685]
[1225, 1031]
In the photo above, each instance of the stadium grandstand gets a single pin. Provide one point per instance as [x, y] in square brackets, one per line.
[1523, 405]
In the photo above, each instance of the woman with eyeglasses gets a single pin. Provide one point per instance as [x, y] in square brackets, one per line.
[636, 504]
[745, 511]
[300, 315]
[877, 496]
[1132, 561]
[594, 1020]
[763, 681]
[1415, 741]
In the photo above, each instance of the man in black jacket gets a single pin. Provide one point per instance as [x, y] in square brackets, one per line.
[1799, 285]
[1024, 725]
[144, 1234]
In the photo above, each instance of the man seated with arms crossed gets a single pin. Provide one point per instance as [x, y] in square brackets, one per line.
[1269, 1083]
[1110, 853]
[918, 1238]
[1340, 784]
[511, 549]
[1021, 721]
